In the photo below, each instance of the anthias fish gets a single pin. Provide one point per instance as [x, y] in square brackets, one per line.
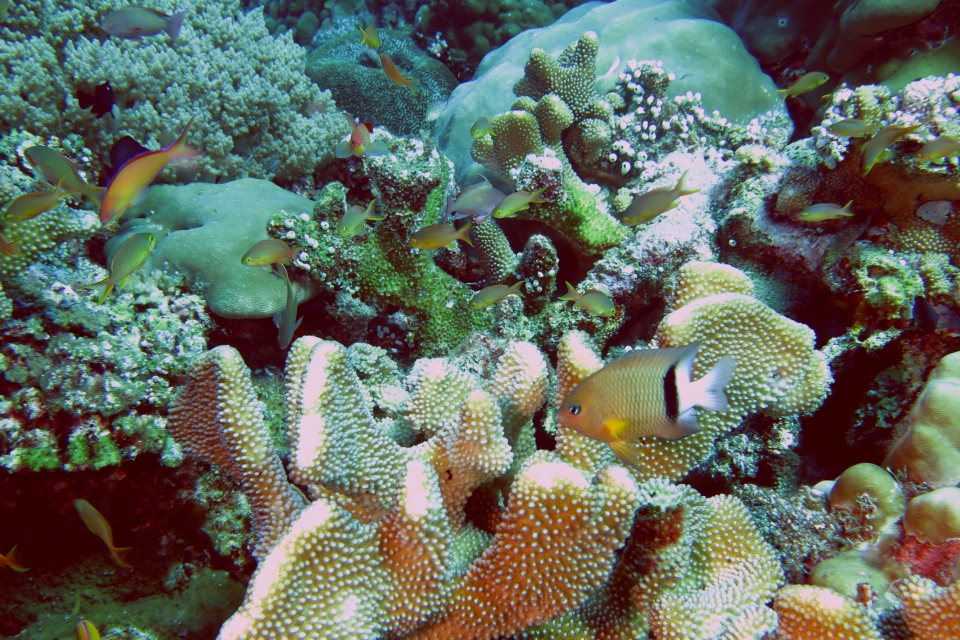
[133, 22]
[286, 320]
[437, 236]
[394, 74]
[476, 201]
[942, 147]
[269, 251]
[12, 562]
[129, 184]
[99, 525]
[852, 128]
[30, 205]
[875, 150]
[129, 257]
[594, 302]
[516, 202]
[826, 211]
[489, 296]
[353, 222]
[370, 37]
[806, 82]
[648, 206]
[54, 168]
[358, 143]
[645, 393]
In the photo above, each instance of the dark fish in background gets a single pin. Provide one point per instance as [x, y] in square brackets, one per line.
[925, 317]
[121, 151]
[101, 101]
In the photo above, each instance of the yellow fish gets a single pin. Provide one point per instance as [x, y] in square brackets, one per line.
[481, 128]
[269, 251]
[86, 631]
[648, 206]
[806, 82]
[129, 257]
[129, 184]
[489, 296]
[942, 147]
[645, 393]
[10, 560]
[99, 525]
[436, 236]
[358, 143]
[852, 128]
[875, 150]
[394, 74]
[370, 37]
[56, 169]
[353, 222]
[30, 205]
[594, 302]
[9, 248]
[826, 211]
[516, 202]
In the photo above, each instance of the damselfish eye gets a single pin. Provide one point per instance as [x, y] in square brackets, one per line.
[574, 409]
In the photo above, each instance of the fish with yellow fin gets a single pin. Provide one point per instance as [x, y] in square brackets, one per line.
[30, 205]
[594, 302]
[129, 184]
[481, 128]
[8, 247]
[353, 222]
[129, 257]
[489, 296]
[371, 37]
[86, 630]
[803, 84]
[99, 525]
[875, 150]
[852, 128]
[269, 251]
[649, 205]
[826, 211]
[394, 74]
[56, 169]
[12, 561]
[940, 148]
[516, 202]
[437, 236]
[358, 143]
[645, 393]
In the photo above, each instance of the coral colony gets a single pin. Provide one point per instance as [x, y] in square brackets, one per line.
[356, 319]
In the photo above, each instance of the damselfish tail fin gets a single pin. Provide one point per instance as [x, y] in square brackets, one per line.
[707, 392]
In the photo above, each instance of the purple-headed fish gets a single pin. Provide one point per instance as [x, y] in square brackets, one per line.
[875, 150]
[940, 148]
[437, 236]
[269, 251]
[353, 222]
[129, 257]
[99, 525]
[476, 201]
[286, 320]
[594, 302]
[133, 22]
[370, 37]
[54, 168]
[516, 202]
[129, 184]
[645, 393]
[806, 82]
[852, 128]
[489, 296]
[30, 205]
[649, 205]
[358, 142]
[12, 562]
[481, 128]
[9, 248]
[826, 211]
[86, 631]
[394, 74]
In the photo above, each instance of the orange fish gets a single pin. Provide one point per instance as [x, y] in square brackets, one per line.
[86, 630]
[30, 205]
[359, 143]
[9, 248]
[99, 525]
[129, 184]
[11, 560]
[394, 74]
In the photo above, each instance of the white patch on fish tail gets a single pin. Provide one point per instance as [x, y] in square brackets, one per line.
[686, 423]
[707, 392]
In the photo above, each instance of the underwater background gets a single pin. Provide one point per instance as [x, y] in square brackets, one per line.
[293, 295]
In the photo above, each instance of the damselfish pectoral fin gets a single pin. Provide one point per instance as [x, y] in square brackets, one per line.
[628, 452]
[615, 427]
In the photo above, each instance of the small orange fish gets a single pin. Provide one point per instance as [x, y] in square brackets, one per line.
[370, 37]
[129, 184]
[436, 236]
[9, 248]
[269, 251]
[10, 560]
[86, 631]
[940, 148]
[394, 74]
[875, 150]
[358, 142]
[806, 82]
[516, 202]
[99, 525]
[30, 205]
[594, 302]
